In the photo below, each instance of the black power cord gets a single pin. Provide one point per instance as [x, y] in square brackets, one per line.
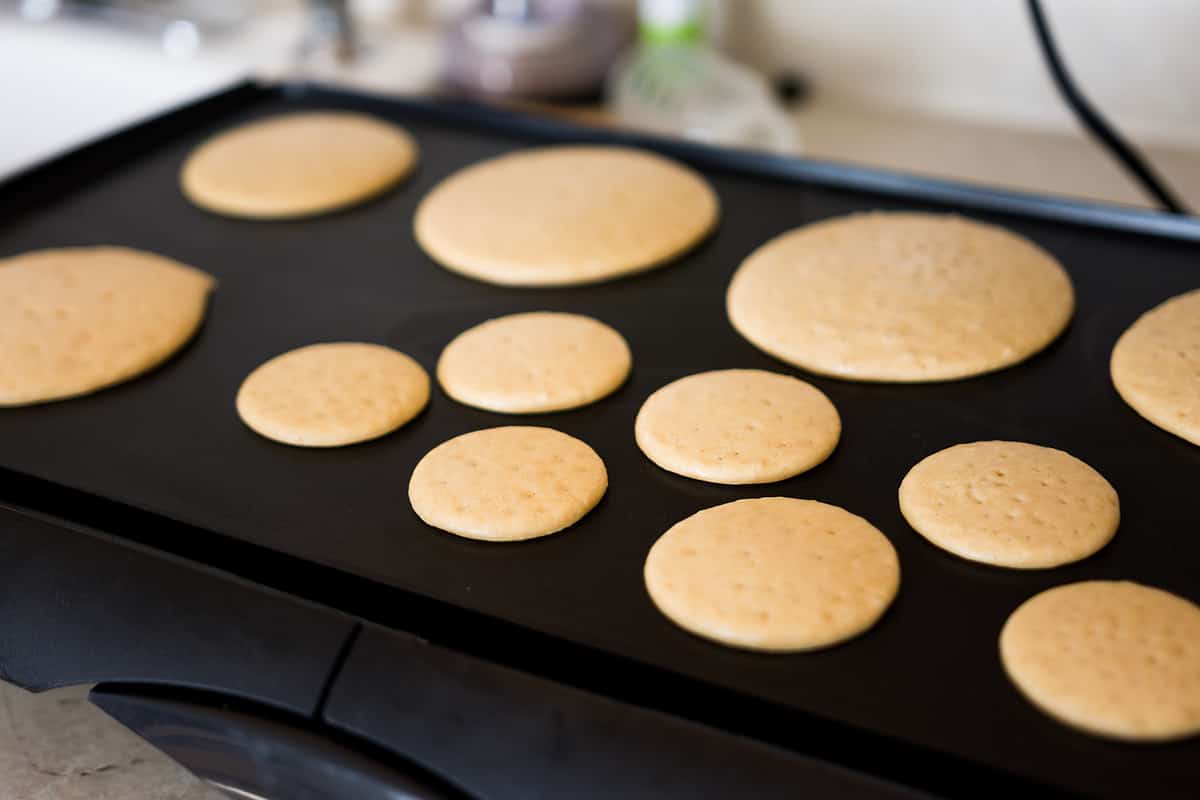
[1126, 153]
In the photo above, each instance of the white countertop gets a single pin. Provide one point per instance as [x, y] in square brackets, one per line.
[58, 746]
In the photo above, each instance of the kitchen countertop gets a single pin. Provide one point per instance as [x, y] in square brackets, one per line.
[1042, 161]
[56, 745]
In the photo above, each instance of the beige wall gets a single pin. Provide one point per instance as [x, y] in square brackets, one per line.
[1138, 60]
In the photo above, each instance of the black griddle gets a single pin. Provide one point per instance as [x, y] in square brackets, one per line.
[165, 461]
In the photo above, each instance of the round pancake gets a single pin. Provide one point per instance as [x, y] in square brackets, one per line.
[773, 574]
[297, 165]
[900, 297]
[78, 319]
[1010, 504]
[534, 362]
[557, 216]
[737, 426]
[333, 394]
[1111, 658]
[1156, 366]
[507, 484]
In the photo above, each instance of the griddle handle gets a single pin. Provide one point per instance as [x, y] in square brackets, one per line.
[259, 753]
[77, 607]
[509, 735]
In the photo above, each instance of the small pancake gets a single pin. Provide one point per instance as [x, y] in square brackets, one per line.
[773, 574]
[900, 297]
[78, 319]
[564, 215]
[534, 362]
[333, 394]
[1156, 366]
[507, 484]
[1111, 658]
[297, 165]
[737, 426]
[1010, 504]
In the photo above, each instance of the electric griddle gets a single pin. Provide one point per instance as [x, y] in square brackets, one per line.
[279, 620]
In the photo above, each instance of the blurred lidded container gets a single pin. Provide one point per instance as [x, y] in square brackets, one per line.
[537, 49]
[670, 81]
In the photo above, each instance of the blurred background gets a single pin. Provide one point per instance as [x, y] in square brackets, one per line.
[944, 88]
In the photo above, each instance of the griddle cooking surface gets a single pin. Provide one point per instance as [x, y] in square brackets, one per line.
[928, 673]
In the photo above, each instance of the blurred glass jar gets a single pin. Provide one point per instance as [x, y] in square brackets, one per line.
[674, 82]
